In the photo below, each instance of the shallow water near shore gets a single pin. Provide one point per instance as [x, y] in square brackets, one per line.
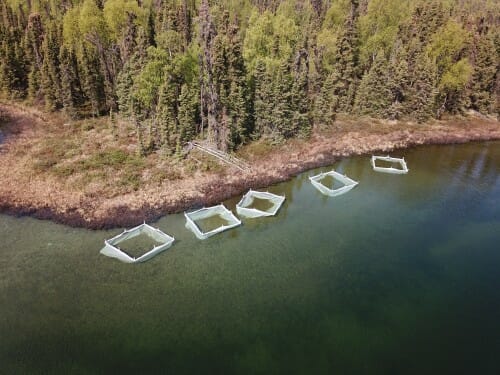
[400, 275]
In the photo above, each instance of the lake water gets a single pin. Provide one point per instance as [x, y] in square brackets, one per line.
[399, 276]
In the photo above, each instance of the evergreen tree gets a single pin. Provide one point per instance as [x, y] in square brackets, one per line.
[184, 19]
[238, 113]
[486, 66]
[128, 40]
[422, 92]
[326, 103]
[95, 32]
[374, 94]
[70, 89]
[34, 39]
[230, 69]
[88, 56]
[301, 123]
[210, 104]
[346, 61]
[262, 100]
[91, 81]
[8, 79]
[50, 79]
[398, 81]
[13, 65]
[33, 84]
[188, 108]
[167, 115]
[282, 126]
[130, 71]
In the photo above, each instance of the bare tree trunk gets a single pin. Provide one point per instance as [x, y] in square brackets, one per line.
[210, 100]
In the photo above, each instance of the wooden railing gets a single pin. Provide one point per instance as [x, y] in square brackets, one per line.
[223, 156]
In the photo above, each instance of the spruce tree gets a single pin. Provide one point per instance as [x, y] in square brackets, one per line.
[422, 92]
[237, 98]
[128, 39]
[486, 66]
[374, 94]
[50, 80]
[33, 84]
[326, 103]
[167, 115]
[262, 100]
[188, 104]
[13, 64]
[70, 90]
[210, 104]
[33, 40]
[346, 60]
[91, 81]
[282, 124]
[398, 81]
[130, 70]
[301, 123]
[8, 79]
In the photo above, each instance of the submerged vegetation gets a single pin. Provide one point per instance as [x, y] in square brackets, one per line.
[238, 70]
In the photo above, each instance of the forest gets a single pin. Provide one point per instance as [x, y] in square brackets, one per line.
[234, 71]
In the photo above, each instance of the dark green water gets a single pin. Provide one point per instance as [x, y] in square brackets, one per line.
[399, 276]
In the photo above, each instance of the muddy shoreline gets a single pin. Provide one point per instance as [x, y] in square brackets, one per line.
[280, 164]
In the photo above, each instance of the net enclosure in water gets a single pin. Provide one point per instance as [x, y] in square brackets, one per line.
[346, 183]
[201, 222]
[259, 203]
[390, 161]
[163, 241]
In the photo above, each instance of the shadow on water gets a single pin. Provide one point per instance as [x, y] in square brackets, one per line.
[400, 275]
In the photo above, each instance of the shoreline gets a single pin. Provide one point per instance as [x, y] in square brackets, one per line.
[46, 199]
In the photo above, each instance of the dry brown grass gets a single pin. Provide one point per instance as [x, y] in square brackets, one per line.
[85, 173]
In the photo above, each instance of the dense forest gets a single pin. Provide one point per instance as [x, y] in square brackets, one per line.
[235, 70]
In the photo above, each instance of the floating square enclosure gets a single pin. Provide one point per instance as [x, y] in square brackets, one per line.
[111, 248]
[388, 159]
[194, 219]
[248, 205]
[346, 181]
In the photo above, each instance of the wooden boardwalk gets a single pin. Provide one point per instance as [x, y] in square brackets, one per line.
[223, 156]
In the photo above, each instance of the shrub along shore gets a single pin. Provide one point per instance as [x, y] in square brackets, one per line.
[84, 174]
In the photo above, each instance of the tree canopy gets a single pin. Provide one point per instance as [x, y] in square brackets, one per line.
[237, 70]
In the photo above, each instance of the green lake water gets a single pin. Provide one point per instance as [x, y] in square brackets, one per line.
[399, 276]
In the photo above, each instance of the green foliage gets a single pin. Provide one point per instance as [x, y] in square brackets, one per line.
[188, 111]
[116, 13]
[91, 81]
[326, 104]
[70, 90]
[150, 77]
[345, 64]
[374, 94]
[234, 70]
[50, 75]
[270, 38]
[487, 59]
[379, 27]
[301, 121]
[447, 44]
[422, 91]
[263, 100]
[328, 35]
[92, 24]
[71, 28]
[456, 76]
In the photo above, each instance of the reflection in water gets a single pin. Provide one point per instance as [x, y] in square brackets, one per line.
[400, 275]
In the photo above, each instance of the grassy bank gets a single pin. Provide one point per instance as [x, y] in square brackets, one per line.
[88, 173]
